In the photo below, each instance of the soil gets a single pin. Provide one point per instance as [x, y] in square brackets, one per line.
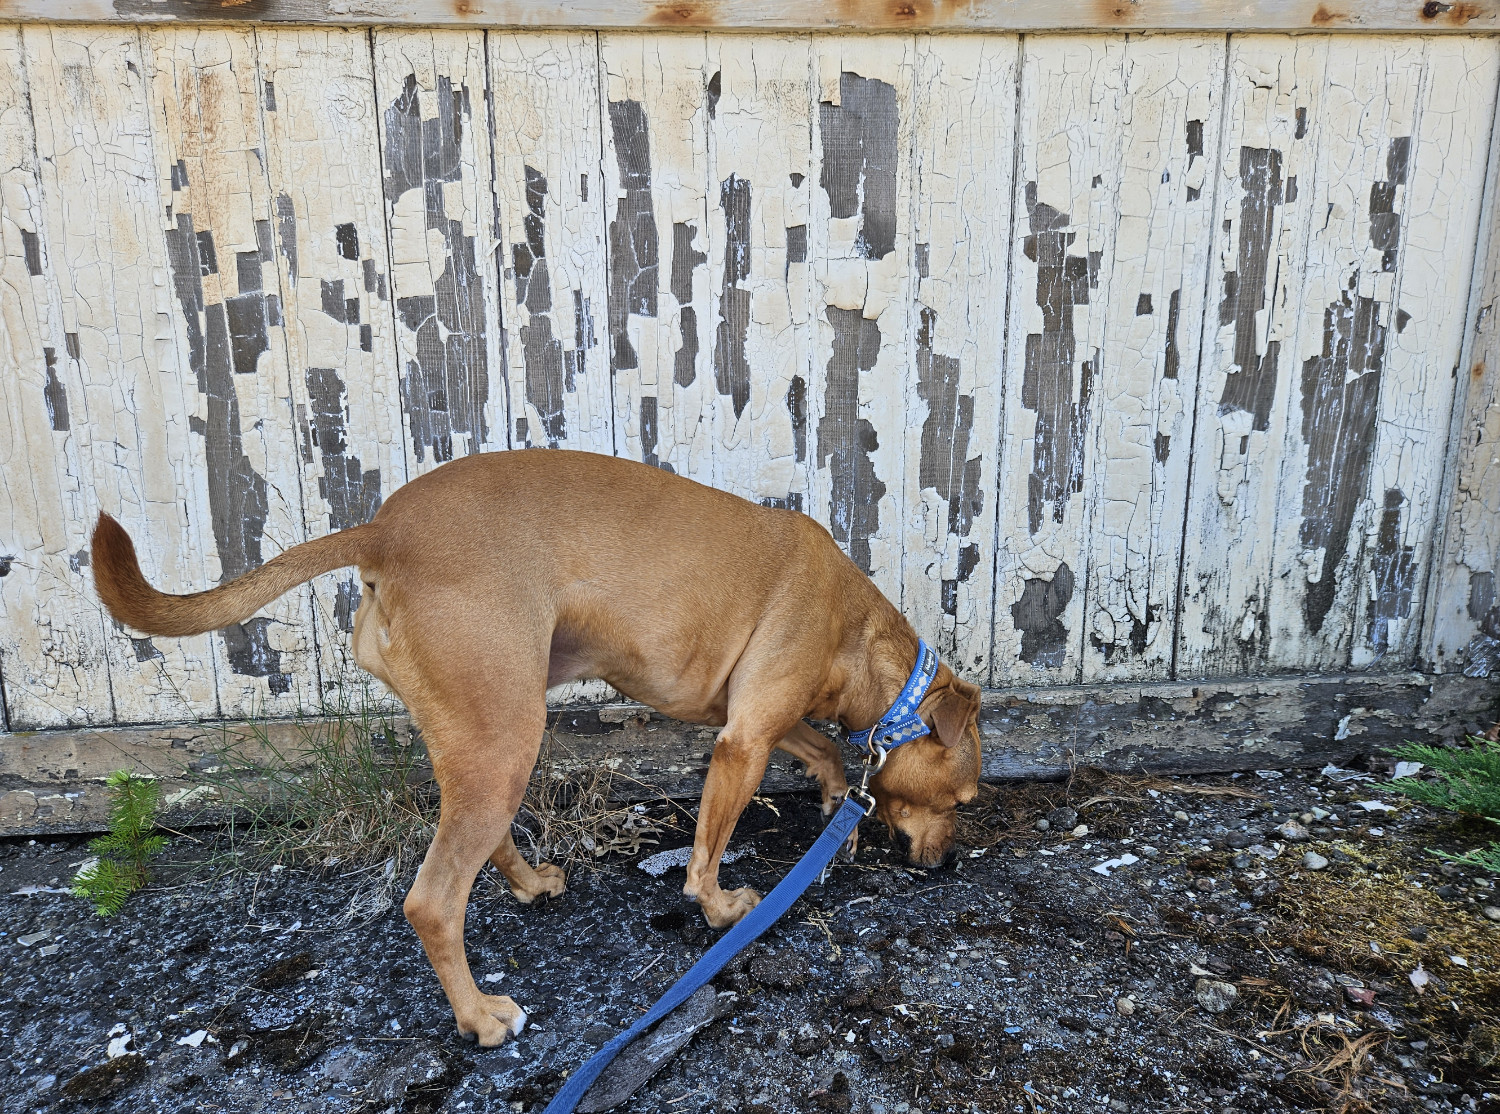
[1216, 972]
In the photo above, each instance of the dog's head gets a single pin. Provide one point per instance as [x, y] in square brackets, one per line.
[924, 781]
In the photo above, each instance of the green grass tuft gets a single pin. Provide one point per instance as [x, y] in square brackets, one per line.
[1468, 781]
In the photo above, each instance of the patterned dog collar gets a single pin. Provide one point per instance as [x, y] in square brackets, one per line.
[902, 724]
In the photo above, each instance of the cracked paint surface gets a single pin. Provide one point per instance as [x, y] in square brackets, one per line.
[795, 267]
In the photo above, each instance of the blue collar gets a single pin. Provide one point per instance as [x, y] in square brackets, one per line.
[902, 724]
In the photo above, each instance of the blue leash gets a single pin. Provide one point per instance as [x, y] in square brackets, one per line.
[762, 917]
[900, 724]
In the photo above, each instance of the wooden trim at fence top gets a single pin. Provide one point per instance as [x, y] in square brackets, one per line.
[799, 15]
[52, 781]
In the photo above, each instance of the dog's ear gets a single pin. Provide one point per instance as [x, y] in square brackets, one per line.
[955, 710]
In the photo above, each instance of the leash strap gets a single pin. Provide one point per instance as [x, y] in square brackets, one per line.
[755, 922]
[902, 724]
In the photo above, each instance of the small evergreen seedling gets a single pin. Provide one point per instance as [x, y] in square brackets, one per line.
[1468, 781]
[120, 868]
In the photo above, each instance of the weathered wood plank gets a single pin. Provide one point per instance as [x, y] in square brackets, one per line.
[747, 428]
[52, 644]
[1263, 179]
[1344, 310]
[124, 377]
[771, 15]
[1151, 288]
[964, 131]
[1440, 204]
[327, 231]
[863, 260]
[544, 90]
[1063, 231]
[435, 148]
[1462, 626]
[655, 111]
[54, 779]
[210, 167]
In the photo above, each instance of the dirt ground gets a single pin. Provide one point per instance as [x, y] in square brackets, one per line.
[1214, 972]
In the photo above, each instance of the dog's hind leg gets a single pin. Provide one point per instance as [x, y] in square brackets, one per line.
[482, 774]
[823, 760]
[527, 884]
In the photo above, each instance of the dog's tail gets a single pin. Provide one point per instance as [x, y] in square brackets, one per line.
[124, 591]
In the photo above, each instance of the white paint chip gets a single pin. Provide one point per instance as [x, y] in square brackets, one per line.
[1108, 865]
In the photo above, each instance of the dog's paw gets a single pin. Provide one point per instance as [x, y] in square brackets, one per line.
[497, 1018]
[550, 882]
[730, 907]
[850, 847]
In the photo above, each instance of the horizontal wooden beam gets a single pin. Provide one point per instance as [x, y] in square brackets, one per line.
[52, 781]
[799, 15]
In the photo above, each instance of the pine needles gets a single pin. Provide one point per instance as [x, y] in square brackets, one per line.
[120, 868]
[1468, 781]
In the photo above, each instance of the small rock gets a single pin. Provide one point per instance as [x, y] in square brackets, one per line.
[1215, 995]
[1080, 831]
[1293, 832]
[809, 1039]
[1492, 912]
[33, 938]
[1043, 825]
[1204, 885]
[1314, 861]
[1451, 893]
[1238, 841]
[887, 1041]
[944, 1040]
[1124, 1007]
[1180, 815]
[1063, 818]
[1360, 996]
[1417, 933]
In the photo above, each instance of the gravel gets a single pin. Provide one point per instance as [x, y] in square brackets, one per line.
[1021, 978]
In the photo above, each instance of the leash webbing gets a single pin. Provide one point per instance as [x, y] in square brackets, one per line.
[755, 922]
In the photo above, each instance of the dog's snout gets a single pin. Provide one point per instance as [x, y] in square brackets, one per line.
[947, 860]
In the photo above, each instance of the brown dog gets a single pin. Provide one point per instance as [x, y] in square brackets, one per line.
[496, 576]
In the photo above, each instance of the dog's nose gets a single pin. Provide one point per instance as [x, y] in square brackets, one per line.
[947, 860]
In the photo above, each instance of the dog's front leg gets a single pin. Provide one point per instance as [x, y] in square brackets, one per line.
[738, 764]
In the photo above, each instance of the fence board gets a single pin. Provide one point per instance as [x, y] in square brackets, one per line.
[1265, 188]
[1146, 377]
[965, 118]
[848, 15]
[1440, 208]
[863, 253]
[435, 149]
[1070, 119]
[210, 170]
[52, 643]
[327, 225]
[1462, 627]
[550, 190]
[129, 389]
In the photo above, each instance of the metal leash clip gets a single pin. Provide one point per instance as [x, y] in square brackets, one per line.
[874, 762]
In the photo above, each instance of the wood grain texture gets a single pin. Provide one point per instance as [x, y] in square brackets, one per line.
[964, 131]
[130, 390]
[326, 222]
[771, 15]
[1462, 622]
[550, 192]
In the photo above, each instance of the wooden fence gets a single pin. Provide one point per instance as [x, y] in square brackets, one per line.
[1113, 358]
